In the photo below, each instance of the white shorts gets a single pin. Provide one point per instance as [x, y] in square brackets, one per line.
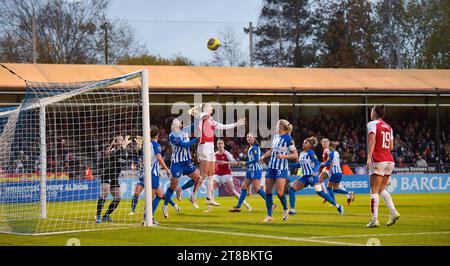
[205, 152]
[381, 168]
[222, 179]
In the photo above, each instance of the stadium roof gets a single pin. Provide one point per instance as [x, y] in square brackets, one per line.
[234, 79]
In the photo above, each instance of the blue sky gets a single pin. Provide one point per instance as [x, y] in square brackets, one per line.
[176, 27]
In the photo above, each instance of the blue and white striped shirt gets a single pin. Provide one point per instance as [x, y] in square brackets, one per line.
[254, 152]
[309, 163]
[154, 162]
[181, 145]
[334, 160]
[281, 144]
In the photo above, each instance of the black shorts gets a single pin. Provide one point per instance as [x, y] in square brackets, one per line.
[113, 181]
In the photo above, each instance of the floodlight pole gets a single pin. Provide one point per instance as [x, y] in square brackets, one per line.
[147, 147]
[33, 29]
[105, 28]
[250, 38]
[43, 166]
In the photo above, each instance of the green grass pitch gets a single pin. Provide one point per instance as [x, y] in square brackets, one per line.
[425, 220]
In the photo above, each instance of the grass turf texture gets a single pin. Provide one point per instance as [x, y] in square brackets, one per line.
[425, 220]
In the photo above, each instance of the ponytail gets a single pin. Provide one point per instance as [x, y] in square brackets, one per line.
[313, 141]
[334, 144]
[195, 111]
[289, 129]
[287, 126]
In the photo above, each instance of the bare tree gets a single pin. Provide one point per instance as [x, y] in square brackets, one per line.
[230, 53]
[66, 32]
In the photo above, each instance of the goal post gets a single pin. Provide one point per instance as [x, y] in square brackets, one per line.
[70, 151]
[147, 146]
[43, 165]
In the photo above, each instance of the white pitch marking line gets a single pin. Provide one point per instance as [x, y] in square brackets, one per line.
[348, 214]
[298, 239]
[371, 235]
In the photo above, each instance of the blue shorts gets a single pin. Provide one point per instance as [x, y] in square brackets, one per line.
[155, 181]
[184, 168]
[253, 175]
[274, 173]
[336, 178]
[309, 180]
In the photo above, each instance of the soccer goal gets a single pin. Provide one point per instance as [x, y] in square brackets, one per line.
[66, 151]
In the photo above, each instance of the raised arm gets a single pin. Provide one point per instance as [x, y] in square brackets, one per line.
[221, 126]
[328, 162]
[177, 141]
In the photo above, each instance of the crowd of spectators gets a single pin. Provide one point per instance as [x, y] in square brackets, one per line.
[415, 137]
[414, 134]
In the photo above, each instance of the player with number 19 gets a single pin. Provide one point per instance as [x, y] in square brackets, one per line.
[381, 164]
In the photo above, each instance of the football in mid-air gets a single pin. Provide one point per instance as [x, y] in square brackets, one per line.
[213, 44]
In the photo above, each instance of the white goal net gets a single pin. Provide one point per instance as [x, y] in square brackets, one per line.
[71, 153]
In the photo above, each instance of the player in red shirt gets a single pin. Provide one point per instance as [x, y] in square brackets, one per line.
[205, 150]
[223, 174]
[380, 163]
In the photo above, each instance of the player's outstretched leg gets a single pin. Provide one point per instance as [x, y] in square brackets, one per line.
[324, 195]
[241, 199]
[174, 205]
[238, 196]
[326, 190]
[330, 192]
[190, 183]
[341, 190]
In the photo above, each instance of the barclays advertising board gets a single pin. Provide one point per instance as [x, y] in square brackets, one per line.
[399, 183]
[419, 183]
